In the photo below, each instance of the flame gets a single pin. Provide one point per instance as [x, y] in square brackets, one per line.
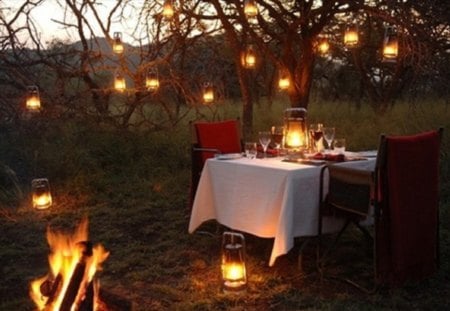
[234, 271]
[42, 200]
[66, 253]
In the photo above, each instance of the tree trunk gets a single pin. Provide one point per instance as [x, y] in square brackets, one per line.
[247, 101]
[299, 94]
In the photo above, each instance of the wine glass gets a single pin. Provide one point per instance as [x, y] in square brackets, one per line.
[264, 139]
[277, 136]
[328, 135]
[315, 134]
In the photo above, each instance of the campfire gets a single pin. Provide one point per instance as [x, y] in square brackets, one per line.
[71, 284]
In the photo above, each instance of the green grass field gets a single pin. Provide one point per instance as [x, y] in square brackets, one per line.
[133, 188]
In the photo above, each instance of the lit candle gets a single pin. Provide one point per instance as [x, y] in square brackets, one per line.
[42, 201]
[284, 83]
[168, 11]
[295, 136]
[119, 83]
[323, 47]
[33, 102]
[208, 95]
[351, 37]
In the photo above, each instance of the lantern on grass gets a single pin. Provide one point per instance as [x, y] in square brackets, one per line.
[390, 45]
[208, 93]
[248, 57]
[234, 275]
[152, 80]
[119, 82]
[168, 10]
[351, 36]
[41, 195]
[250, 9]
[117, 43]
[295, 135]
[33, 100]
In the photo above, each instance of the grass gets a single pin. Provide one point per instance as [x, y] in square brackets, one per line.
[133, 187]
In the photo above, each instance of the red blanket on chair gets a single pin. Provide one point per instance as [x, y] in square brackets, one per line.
[407, 233]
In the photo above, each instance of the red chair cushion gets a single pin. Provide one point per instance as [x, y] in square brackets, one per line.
[223, 135]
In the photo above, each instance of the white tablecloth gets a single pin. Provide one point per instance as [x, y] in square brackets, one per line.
[265, 197]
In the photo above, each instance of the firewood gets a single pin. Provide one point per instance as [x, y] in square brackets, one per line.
[77, 277]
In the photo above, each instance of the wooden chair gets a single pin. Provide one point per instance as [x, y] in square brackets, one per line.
[208, 139]
[402, 196]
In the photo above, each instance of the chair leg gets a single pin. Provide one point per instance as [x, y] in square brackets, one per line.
[321, 258]
[333, 245]
[300, 254]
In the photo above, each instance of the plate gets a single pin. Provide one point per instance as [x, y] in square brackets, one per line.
[368, 153]
[228, 156]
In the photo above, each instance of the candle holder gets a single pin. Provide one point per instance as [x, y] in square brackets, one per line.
[234, 276]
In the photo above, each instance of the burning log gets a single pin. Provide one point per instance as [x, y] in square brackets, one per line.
[77, 277]
[50, 288]
[88, 302]
[71, 284]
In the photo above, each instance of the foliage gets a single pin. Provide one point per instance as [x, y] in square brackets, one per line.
[133, 186]
[203, 43]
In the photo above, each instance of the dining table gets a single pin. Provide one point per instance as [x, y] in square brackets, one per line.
[267, 197]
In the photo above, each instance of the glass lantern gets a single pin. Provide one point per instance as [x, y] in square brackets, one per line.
[351, 36]
[390, 45]
[208, 93]
[234, 275]
[250, 8]
[117, 43]
[168, 10]
[152, 80]
[119, 82]
[41, 195]
[33, 100]
[295, 129]
[248, 57]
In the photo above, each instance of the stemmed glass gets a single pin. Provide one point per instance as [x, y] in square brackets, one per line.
[277, 136]
[328, 135]
[315, 134]
[264, 139]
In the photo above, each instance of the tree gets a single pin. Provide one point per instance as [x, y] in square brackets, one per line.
[186, 50]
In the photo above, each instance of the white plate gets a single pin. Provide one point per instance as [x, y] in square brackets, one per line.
[228, 156]
[368, 153]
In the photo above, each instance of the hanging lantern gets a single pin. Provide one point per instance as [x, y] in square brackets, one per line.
[248, 57]
[234, 275]
[323, 46]
[351, 36]
[41, 195]
[119, 82]
[152, 80]
[296, 135]
[117, 43]
[250, 9]
[284, 82]
[390, 45]
[33, 100]
[168, 10]
[208, 93]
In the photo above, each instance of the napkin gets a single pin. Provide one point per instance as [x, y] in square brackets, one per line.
[270, 151]
[336, 157]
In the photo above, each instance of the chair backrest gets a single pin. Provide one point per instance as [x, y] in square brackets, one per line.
[407, 178]
[222, 136]
[209, 138]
